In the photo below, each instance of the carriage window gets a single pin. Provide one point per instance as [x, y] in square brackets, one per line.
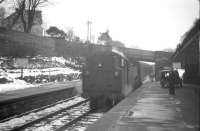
[122, 62]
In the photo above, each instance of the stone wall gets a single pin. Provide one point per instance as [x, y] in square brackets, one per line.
[14, 43]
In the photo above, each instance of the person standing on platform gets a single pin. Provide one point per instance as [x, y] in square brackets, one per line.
[171, 83]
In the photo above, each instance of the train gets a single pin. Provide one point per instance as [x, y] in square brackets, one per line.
[108, 77]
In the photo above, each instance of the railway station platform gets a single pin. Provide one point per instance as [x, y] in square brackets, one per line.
[45, 88]
[151, 108]
[19, 101]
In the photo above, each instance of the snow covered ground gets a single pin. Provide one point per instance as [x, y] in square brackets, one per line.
[38, 70]
[47, 71]
[15, 84]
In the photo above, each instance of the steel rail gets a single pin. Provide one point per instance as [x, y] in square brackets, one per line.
[63, 128]
[28, 124]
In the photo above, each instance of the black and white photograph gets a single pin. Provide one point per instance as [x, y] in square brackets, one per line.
[99, 65]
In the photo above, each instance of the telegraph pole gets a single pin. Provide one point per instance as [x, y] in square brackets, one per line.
[89, 31]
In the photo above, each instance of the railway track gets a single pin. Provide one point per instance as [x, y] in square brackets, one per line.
[60, 120]
[74, 118]
[38, 109]
[46, 114]
[84, 122]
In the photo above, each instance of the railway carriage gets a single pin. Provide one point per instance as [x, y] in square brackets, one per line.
[108, 77]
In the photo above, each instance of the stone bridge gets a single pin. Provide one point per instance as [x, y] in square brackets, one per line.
[160, 58]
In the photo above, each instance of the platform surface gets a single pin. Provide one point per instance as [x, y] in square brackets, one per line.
[15, 94]
[151, 108]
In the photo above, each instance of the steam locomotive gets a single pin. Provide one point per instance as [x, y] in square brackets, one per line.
[108, 77]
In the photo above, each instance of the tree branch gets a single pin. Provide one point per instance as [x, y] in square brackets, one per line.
[1, 1]
[26, 11]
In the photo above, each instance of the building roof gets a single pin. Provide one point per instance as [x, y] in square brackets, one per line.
[190, 34]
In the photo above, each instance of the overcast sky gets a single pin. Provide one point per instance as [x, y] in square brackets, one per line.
[147, 24]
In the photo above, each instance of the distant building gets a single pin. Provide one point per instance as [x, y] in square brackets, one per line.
[18, 26]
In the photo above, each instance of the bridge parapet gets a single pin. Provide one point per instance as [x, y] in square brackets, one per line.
[138, 54]
[160, 58]
[161, 55]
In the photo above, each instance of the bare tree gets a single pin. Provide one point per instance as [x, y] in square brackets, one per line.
[1, 1]
[25, 10]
